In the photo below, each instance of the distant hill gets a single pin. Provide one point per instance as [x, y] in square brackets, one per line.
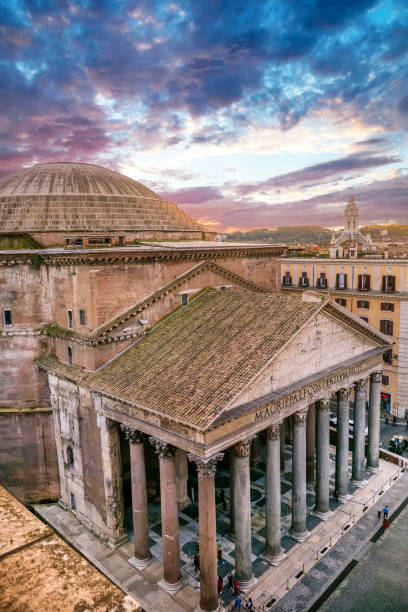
[285, 235]
[395, 232]
[312, 234]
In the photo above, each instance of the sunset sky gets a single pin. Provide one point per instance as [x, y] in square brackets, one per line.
[246, 114]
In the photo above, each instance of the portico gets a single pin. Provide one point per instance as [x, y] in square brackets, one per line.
[228, 375]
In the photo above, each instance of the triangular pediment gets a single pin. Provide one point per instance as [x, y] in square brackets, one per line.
[327, 341]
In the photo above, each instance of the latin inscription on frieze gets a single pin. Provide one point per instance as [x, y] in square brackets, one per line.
[308, 392]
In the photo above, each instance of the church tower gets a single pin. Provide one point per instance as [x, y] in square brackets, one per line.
[351, 216]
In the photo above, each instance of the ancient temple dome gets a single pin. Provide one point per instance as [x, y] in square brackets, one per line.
[75, 197]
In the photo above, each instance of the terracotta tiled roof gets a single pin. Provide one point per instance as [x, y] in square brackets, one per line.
[194, 363]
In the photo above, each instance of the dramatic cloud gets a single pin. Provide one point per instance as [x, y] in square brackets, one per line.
[172, 92]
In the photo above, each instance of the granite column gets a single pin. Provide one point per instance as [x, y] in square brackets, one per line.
[273, 550]
[359, 433]
[373, 452]
[322, 508]
[242, 514]
[298, 529]
[342, 445]
[172, 579]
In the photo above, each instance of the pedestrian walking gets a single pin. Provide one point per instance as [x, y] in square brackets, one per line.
[394, 420]
[336, 495]
[236, 587]
[196, 562]
[385, 523]
[220, 586]
[386, 420]
[222, 498]
[230, 580]
[238, 602]
[379, 514]
[249, 604]
[385, 511]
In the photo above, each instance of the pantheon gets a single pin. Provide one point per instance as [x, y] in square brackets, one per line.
[139, 354]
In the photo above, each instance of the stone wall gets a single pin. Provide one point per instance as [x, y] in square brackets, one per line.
[28, 458]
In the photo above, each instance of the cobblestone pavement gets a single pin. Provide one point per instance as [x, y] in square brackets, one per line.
[309, 592]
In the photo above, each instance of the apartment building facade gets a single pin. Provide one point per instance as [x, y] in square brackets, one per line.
[377, 292]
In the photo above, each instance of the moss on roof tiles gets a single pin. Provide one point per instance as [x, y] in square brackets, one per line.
[192, 365]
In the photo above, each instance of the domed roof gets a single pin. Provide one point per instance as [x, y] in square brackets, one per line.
[66, 196]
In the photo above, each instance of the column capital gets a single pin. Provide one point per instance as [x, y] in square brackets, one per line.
[206, 467]
[324, 404]
[163, 449]
[361, 385]
[133, 435]
[243, 448]
[299, 418]
[376, 377]
[343, 394]
[273, 431]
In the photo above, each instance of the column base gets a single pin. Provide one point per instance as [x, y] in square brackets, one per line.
[183, 503]
[321, 515]
[170, 588]
[358, 483]
[374, 470]
[114, 544]
[275, 559]
[344, 499]
[245, 585]
[200, 609]
[300, 537]
[140, 564]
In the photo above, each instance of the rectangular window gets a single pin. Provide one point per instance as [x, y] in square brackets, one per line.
[385, 380]
[387, 356]
[388, 283]
[364, 319]
[8, 319]
[303, 280]
[322, 280]
[341, 301]
[363, 304]
[363, 282]
[341, 281]
[82, 317]
[70, 355]
[387, 327]
[73, 501]
[70, 319]
[184, 299]
[388, 306]
[287, 279]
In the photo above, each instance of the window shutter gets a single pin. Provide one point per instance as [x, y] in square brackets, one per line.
[368, 281]
[360, 281]
[384, 283]
[391, 283]
[382, 326]
[391, 328]
[337, 279]
[345, 281]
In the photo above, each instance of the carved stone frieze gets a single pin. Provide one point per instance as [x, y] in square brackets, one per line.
[206, 467]
[163, 450]
[133, 435]
[299, 418]
[361, 385]
[273, 431]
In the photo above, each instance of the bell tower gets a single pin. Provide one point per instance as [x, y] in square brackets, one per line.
[351, 216]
